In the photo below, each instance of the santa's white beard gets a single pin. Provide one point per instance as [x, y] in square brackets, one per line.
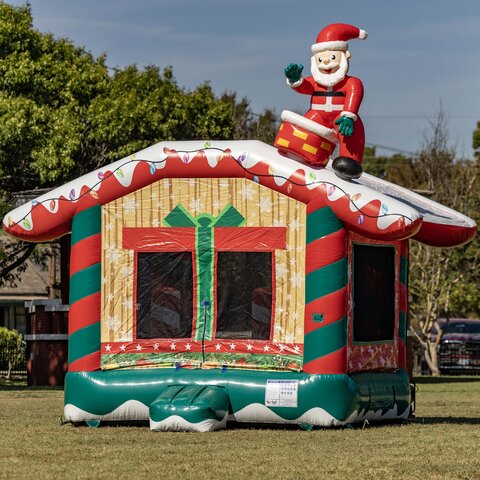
[329, 79]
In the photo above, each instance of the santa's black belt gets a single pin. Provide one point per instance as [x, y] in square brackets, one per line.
[328, 94]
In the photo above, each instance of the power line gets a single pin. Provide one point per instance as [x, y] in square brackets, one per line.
[391, 149]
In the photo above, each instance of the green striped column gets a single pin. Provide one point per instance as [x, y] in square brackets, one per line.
[325, 323]
[85, 287]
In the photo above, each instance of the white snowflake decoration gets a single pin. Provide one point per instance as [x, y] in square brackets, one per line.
[196, 205]
[130, 205]
[112, 253]
[295, 225]
[265, 205]
[247, 192]
[127, 303]
[125, 271]
[112, 323]
[281, 271]
[297, 279]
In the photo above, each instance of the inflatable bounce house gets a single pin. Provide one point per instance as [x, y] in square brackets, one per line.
[224, 281]
[227, 280]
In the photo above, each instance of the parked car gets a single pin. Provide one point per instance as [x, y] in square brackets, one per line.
[459, 349]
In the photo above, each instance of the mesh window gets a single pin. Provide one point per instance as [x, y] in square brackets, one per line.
[244, 295]
[374, 293]
[164, 295]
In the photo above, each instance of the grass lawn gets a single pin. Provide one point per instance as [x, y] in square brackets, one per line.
[441, 442]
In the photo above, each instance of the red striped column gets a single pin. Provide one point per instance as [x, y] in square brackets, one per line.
[85, 286]
[325, 323]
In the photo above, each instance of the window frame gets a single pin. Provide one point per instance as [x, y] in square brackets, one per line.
[175, 239]
[271, 251]
[395, 305]
[140, 241]
[136, 309]
[387, 348]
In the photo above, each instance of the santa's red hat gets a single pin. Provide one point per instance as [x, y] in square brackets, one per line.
[336, 36]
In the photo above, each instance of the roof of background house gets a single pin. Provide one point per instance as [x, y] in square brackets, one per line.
[33, 284]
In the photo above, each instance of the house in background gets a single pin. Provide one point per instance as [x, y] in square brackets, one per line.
[33, 284]
[37, 282]
[223, 280]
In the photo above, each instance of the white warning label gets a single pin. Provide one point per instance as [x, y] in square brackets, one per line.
[281, 393]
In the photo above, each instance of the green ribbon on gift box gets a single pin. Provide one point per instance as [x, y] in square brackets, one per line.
[204, 225]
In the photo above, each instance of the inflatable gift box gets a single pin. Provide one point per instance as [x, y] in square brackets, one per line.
[300, 137]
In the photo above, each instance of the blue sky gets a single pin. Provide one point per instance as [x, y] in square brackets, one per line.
[418, 53]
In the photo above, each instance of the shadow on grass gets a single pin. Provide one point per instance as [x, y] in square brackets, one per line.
[450, 420]
[447, 379]
[20, 384]
[24, 388]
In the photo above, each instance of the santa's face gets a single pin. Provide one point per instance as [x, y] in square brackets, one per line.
[329, 67]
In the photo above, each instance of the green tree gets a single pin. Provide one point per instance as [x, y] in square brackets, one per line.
[250, 125]
[476, 141]
[397, 168]
[11, 348]
[63, 113]
[441, 277]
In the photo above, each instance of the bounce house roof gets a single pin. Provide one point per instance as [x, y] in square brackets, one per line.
[370, 206]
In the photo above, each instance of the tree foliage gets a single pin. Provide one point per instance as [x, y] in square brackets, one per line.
[398, 168]
[64, 113]
[444, 282]
[476, 141]
[248, 125]
[11, 348]
[441, 276]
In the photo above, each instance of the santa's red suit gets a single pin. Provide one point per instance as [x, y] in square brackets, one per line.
[330, 103]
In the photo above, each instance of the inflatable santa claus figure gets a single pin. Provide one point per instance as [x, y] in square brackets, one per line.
[335, 100]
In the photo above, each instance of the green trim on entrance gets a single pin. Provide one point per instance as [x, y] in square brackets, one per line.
[205, 271]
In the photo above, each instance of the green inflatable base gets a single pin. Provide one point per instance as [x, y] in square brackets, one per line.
[201, 408]
[324, 400]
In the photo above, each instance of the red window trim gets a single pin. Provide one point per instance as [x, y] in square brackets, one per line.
[180, 239]
[274, 301]
[172, 239]
[162, 239]
[253, 239]
[134, 297]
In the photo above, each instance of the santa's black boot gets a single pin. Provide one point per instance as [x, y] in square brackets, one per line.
[346, 168]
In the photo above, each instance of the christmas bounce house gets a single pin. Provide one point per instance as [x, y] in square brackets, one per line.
[215, 281]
